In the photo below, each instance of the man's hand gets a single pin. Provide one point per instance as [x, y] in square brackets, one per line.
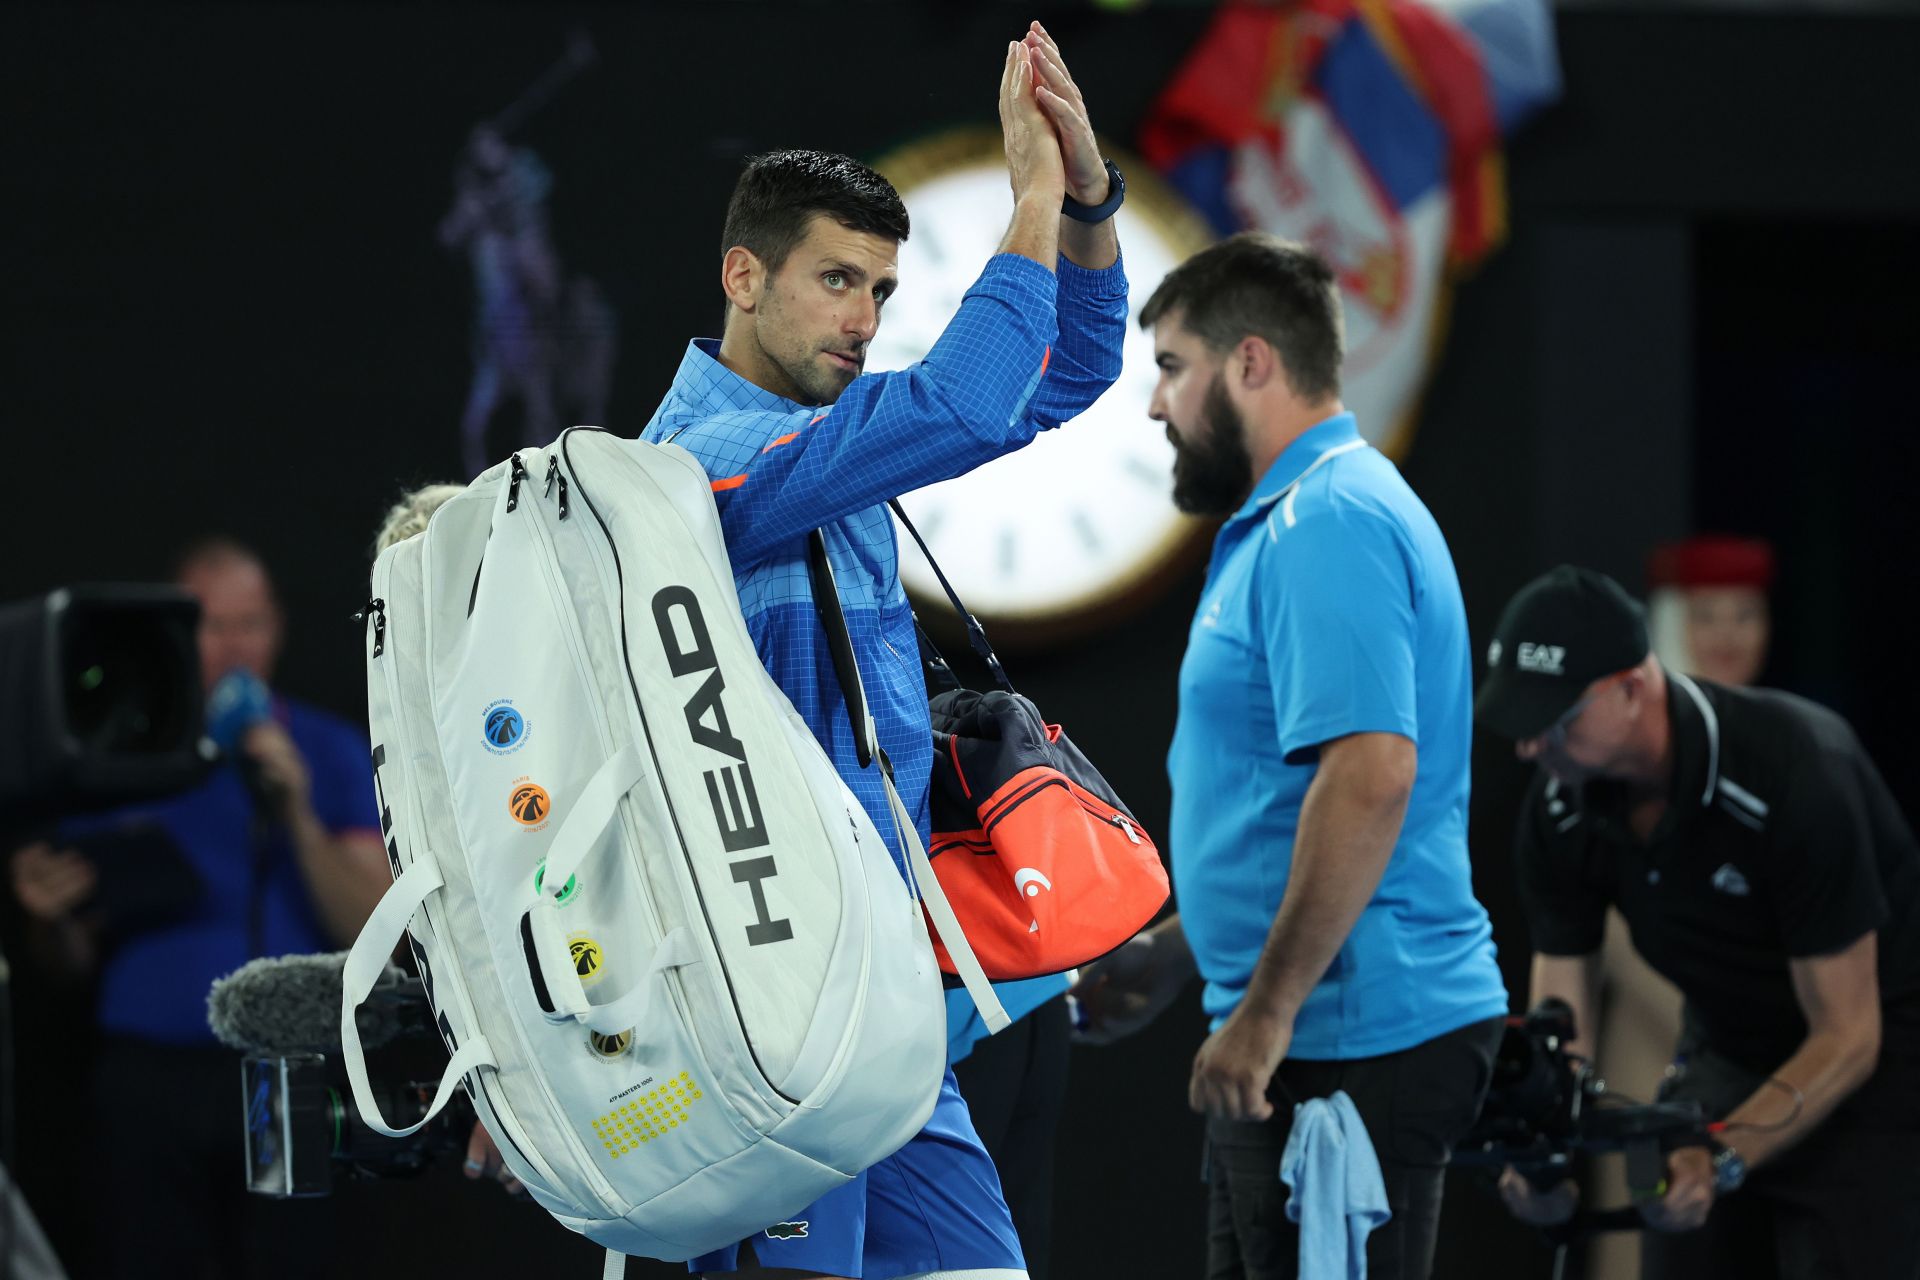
[282, 769]
[1034, 165]
[1689, 1192]
[50, 884]
[484, 1161]
[1059, 97]
[1532, 1205]
[1126, 990]
[1236, 1064]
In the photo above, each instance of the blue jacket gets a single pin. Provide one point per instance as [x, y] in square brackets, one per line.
[1027, 350]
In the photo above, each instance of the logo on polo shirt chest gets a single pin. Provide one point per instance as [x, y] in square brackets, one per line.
[1728, 880]
[1543, 659]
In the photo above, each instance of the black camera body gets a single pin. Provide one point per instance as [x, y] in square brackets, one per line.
[1546, 1106]
[304, 1131]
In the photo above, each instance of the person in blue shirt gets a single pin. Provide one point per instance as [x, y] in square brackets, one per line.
[1320, 774]
[795, 437]
[284, 844]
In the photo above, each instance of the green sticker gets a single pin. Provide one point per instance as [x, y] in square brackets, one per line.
[566, 894]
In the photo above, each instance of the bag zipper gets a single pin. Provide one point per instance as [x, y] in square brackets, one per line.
[517, 471]
[553, 474]
[693, 877]
[548, 558]
[377, 609]
[1106, 813]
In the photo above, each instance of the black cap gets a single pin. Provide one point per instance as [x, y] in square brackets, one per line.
[1563, 631]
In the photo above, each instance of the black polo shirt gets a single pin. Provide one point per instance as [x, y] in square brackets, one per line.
[1779, 841]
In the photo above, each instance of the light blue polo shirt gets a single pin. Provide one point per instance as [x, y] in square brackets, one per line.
[1331, 607]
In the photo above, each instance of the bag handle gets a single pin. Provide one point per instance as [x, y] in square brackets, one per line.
[549, 963]
[365, 962]
[976, 634]
[826, 602]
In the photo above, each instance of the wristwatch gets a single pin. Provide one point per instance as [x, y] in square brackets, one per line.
[1729, 1170]
[1116, 193]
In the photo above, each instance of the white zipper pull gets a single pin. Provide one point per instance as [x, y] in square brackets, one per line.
[1120, 821]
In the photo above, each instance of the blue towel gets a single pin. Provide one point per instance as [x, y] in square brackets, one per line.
[1338, 1197]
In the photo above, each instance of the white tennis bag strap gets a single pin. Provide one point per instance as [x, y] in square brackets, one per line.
[826, 600]
[382, 933]
[550, 962]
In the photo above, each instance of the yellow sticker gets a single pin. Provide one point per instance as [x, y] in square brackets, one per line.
[589, 958]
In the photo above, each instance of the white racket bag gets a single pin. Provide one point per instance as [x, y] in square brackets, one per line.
[675, 966]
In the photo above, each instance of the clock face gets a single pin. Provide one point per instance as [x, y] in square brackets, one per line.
[1082, 520]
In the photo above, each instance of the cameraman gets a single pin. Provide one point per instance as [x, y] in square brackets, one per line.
[1763, 867]
[285, 847]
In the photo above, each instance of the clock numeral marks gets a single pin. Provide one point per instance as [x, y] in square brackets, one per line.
[1089, 534]
[1145, 472]
[929, 522]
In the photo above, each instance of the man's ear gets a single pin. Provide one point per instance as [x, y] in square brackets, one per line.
[1255, 364]
[743, 278]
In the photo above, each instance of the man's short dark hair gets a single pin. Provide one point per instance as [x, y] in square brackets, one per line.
[1258, 285]
[212, 550]
[782, 190]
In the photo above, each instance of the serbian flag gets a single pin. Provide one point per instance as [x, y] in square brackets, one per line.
[1369, 130]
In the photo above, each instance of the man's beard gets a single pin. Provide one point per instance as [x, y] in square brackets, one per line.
[1213, 471]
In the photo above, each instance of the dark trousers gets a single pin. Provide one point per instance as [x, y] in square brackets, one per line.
[173, 1153]
[1844, 1204]
[1015, 1084]
[1416, 1104]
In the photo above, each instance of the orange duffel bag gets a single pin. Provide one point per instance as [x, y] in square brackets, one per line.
[1043, 865]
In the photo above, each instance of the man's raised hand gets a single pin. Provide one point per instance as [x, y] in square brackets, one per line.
[1060, 98]
[1034, 164]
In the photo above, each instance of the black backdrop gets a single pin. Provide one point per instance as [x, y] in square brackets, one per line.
[224, 309]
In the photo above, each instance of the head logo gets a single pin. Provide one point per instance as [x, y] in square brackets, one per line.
[589, 960]
[610, 1046]
[787, 1231]
[1030, 882]
[1543, 659]
[504, 728]
[530, 804]
[1493, 654]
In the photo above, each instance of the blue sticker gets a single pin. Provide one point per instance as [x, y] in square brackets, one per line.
[506, 729]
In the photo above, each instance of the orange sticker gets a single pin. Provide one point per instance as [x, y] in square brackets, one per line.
[530, 804]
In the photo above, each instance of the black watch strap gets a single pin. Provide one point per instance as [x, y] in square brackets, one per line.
[1116, 195]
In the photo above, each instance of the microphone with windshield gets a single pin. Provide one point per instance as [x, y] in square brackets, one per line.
[282, 1005]
[283, 1014]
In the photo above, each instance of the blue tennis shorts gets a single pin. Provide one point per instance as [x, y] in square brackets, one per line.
[933, 1205]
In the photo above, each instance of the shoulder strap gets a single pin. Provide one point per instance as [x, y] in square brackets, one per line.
[976, 634]
[826, 602]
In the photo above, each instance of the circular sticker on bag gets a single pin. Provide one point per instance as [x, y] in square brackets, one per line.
[504, 727]
[589, 960]
[566, 894]
[529, 804]
[612, 1046]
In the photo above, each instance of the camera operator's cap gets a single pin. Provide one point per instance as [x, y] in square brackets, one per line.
[1563, 631]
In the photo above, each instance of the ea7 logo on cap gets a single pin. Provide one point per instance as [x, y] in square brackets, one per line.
[1543, 659]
